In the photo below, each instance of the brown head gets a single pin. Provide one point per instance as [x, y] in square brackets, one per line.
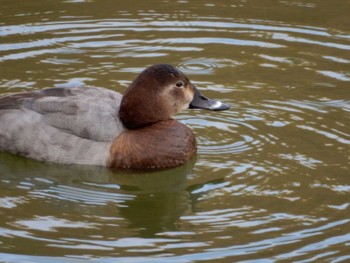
[157, 94]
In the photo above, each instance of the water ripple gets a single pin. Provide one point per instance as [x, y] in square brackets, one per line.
[271, 177]
[73, 194]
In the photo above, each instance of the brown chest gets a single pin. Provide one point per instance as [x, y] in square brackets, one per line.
[165, 144]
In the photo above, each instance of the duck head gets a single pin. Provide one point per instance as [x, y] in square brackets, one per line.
[158, 93]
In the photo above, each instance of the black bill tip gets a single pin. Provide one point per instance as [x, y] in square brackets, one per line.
[201, 102]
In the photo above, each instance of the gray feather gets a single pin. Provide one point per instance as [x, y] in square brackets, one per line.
[88, 112]
[61, 125]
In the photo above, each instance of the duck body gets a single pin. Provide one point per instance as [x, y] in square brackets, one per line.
[96, 126]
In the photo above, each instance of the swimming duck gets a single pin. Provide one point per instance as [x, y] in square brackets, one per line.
[95, 126]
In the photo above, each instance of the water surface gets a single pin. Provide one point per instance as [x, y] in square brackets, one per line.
[271, 179]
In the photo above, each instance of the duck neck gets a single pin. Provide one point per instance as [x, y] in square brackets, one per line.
[160, 145]
[136, 112]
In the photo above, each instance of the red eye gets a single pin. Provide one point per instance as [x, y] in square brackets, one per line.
[179, 84]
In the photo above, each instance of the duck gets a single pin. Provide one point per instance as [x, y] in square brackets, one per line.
[87, 125]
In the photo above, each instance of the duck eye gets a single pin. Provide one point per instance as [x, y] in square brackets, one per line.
[179, 84]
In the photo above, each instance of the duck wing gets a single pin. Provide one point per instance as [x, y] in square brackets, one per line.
[88, 112]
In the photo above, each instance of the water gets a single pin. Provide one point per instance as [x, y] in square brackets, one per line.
[271, 179]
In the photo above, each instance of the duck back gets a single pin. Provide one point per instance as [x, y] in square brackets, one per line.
[61, 125]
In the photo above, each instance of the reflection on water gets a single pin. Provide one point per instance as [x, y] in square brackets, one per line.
[94, 199]
[270, 181]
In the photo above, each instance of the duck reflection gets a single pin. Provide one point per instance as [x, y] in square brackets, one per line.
[146, 203]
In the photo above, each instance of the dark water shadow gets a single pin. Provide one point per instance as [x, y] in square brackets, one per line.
[146, 202]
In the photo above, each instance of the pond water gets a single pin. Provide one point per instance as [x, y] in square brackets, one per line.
[271, 181]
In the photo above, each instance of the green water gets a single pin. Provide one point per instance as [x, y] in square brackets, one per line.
[271, 181]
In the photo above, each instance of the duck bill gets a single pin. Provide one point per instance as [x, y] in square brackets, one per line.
[201, 102]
